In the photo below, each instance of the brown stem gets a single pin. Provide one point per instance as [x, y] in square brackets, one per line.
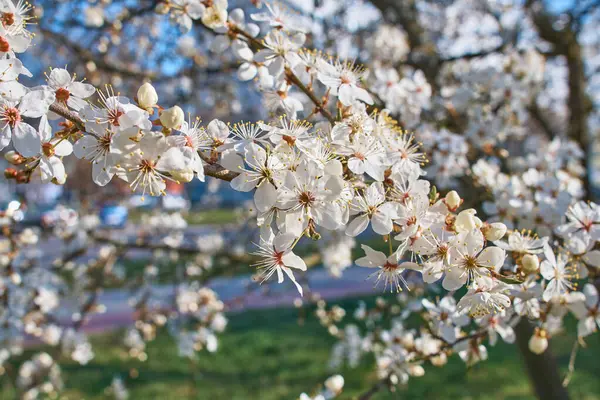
[290, 75]
[542, 369]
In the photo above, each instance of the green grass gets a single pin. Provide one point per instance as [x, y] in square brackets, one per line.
[266, 355]
[216, 216]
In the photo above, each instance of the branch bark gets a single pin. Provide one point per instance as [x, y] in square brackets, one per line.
[566, 43]
[542, 369]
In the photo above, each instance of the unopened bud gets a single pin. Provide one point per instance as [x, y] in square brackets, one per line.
[530, 263]
[147, 96]
[452, 200]
[214, 17]
[184, 175]
[335, 384]
[416, 370]
[162, 8]
[10, 173]
[23, 177]
[538, 342]
[13, 157]
[440, 360]
[172, 118]
[466, 221]
[494, 231]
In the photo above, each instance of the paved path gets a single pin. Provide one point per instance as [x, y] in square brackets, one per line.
[119, 312]
[237, 292]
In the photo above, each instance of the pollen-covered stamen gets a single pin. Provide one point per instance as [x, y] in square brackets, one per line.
[48, 149]
[62, 95]
[4, 45]
[12, 116]
[8, 18]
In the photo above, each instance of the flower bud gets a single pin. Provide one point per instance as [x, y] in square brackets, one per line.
[466, 221]
[439, 360]
[162, 8]
[416, 370]
[93, 17]
[335, 384]
[10, 173]
[183, 175]
[538, 342]
[147, 96]
[530, 263]
[13, 157]
[172, 118]
[452, 200]
[494, 231]
[214, 17]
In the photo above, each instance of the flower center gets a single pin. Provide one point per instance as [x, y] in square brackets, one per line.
[48, 149]
[470, 262]
[104, 142]
[62, 95]
[278, 256]
[290, 140]
[189, 142]
[345, 79]
[8, 18]
[114, 115]
[146, 166]
[12, 116]
[306, 199]
[360, 156]
[389, 267]
[442, 251]
[4, 45]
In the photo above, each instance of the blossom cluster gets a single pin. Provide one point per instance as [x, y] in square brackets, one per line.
[334, 162]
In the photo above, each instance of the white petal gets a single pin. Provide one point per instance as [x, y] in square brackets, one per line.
[492, 257]
[381, 223]
[243, 183]
[265, 196]
[372, 259]
[455, 279]
[293, 261]
[36, 103]
[357, 226]
[26, 140]
[283, 241]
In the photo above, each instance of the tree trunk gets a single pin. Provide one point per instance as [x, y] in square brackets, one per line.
[542, 369]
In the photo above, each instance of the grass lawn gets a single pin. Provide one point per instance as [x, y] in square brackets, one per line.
[215, 216]
[266, 355]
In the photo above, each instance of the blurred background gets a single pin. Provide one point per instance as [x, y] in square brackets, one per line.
[274, 347]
